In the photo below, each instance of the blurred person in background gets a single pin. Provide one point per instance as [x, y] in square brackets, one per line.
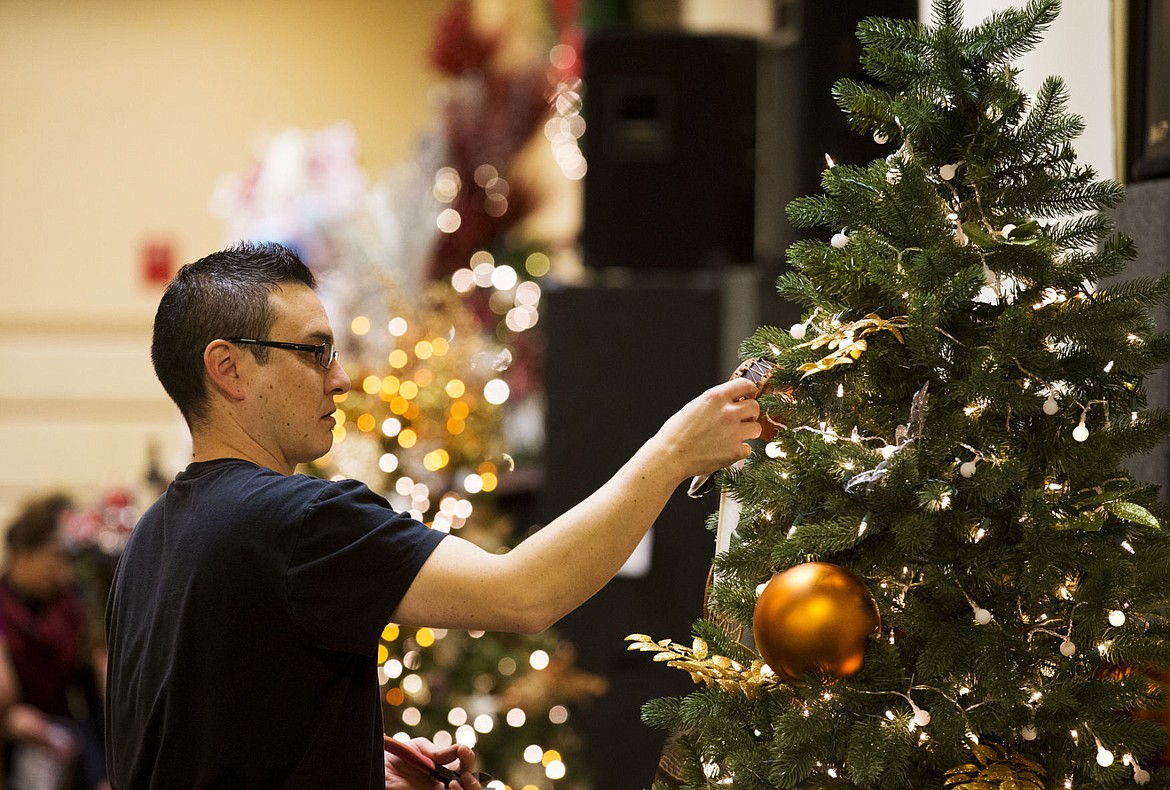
[53, 723]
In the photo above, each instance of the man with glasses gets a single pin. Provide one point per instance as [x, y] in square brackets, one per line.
[244, 618]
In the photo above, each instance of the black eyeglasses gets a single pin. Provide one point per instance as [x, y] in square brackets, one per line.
[325, 353]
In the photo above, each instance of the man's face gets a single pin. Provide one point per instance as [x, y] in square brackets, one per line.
[293, 394]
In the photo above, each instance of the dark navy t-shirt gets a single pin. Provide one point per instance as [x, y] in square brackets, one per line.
[243, 629]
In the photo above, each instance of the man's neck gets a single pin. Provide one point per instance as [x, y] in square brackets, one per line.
[210, 448]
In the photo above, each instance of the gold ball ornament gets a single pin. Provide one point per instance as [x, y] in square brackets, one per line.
[1158, 678]
[815, 616]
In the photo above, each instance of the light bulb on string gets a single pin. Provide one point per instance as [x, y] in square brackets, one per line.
[967, 469]
[1140, 775]
[1028, 732]
[1081, 433]
[982, 616]
[1117, 618]
[798, 331]
[1104, 756]
[1051, 406]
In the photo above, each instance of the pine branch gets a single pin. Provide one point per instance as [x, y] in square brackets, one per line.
[1008, 34]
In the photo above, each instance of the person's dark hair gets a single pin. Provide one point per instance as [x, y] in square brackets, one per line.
[222, 295]
[37, 524]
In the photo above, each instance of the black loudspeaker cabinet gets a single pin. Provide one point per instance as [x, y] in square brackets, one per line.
[696, 143]
[670, 126]
[619, 362]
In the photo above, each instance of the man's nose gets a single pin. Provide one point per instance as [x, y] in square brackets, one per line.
[338, 379]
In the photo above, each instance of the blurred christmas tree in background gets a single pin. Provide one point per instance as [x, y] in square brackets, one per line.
[433, 282]
[965, 384]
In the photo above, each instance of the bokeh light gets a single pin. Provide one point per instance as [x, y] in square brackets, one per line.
[537, 264]
[449, 220]
[496, 391]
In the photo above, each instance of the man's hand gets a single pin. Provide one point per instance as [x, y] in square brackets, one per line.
[711, 431]
[405, 772]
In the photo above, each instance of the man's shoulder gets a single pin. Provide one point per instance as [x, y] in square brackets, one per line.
[216, 496]
[250, 480]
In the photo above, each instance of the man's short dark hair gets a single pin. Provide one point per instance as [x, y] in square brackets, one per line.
[222, 295]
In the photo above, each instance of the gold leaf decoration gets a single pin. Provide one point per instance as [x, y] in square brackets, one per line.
[998, 769]
[713, 671]
[847, 342]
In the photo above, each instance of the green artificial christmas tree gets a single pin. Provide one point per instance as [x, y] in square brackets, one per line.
[951, 419]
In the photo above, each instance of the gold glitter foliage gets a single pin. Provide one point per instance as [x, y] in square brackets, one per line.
[997, 769]
[706, 668]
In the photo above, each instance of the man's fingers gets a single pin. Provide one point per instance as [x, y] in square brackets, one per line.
[739, 388]
[749, 409]
[465, 767]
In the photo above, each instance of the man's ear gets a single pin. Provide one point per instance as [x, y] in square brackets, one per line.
[220, 363]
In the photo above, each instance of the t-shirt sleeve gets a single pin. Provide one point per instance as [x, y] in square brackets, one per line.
[353, 561]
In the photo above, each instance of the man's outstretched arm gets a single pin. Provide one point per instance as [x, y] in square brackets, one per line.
[561, 566]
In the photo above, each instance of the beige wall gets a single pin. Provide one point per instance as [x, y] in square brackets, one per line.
[116, 117]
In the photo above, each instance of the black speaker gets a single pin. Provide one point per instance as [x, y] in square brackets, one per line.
[618, 363]
[696, 143]
[670, 124]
